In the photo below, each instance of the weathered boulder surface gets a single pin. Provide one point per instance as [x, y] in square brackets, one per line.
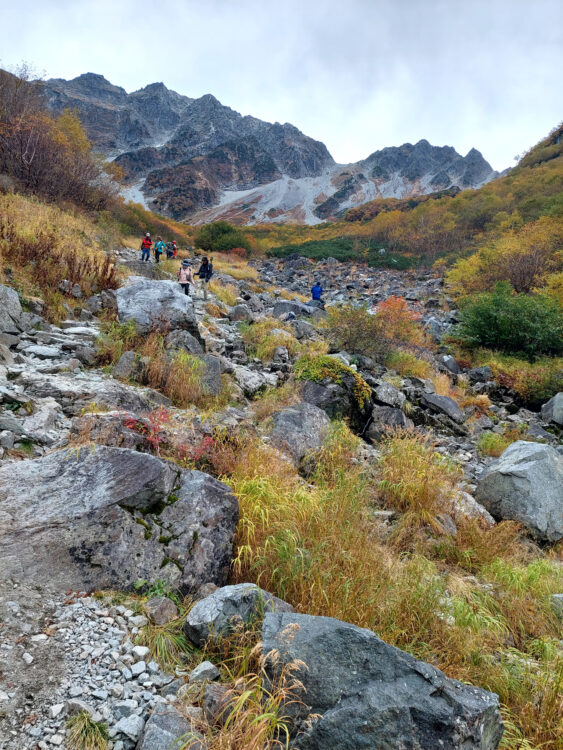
[156, 303]
[253, 381]
[332, 398]
[76, 394]
[552, 411]
[100, 517]
[299, 429]
[526, 484]
[220, 612]
[371, 695]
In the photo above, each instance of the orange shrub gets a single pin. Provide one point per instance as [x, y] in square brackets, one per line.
[397, 323]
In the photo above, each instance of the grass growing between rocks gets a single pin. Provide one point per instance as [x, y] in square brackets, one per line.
[476, 604]
[226, 293]
[86, 734]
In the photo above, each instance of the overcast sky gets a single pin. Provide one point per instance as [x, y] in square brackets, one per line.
[357, 74]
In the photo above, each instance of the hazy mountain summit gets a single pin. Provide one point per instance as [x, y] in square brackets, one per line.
[198, 159]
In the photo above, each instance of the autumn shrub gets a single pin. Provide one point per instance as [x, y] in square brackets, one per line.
[534, 382]
[47, 155]
[220, 236]
[323, 367]
[399, 324]
[512, 323]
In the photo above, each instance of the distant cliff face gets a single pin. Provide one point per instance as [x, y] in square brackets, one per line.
[197, 159]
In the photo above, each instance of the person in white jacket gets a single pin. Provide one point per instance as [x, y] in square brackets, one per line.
[185, 276]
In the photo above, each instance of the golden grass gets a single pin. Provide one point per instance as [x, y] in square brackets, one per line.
[238, 268]
[227, 293]
[86, 734]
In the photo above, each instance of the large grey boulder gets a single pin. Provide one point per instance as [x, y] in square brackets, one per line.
[552, 411]
[156, 304]
[76, 394]
[388, 395]
[368, 694]
[220, 612]
[299, 430]
[526, 484]
[99, 517]
[444, 405]
[10, 310]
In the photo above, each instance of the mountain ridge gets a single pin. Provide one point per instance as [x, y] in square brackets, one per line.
[198, 160]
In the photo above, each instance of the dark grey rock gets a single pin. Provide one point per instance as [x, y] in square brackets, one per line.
[228, 607]
[480, 374]
[299, 429]
[557, 605]
[211, 380]
[241, 313]
[450, 364]
[526, 484]
[388, 395]
[127, 366]
[371, 695]
[444, 405]
[180, 339]
[206, 671]
[385, 419]
[10, 310]
[332, 398]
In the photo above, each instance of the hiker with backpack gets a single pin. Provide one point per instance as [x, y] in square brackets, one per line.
[146, 244]
[205, 273]
[169, 250]
[185, 276]
[174, 249]
[159, 248]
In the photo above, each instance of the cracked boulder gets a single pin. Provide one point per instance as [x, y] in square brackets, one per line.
[103, 517]
[299, 430]
[367, 694]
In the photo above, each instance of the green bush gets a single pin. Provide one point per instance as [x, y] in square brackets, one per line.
[509, 322]
[220, 237]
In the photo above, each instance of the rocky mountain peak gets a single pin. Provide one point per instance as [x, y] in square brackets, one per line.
[186, 154]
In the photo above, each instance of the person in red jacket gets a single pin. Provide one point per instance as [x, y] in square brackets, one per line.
[146, 245]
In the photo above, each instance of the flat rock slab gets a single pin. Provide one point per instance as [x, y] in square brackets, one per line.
[444, 405]
[76, 394]
[100, 517]
[368, 694]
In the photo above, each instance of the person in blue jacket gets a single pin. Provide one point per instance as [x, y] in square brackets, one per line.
[317, 294]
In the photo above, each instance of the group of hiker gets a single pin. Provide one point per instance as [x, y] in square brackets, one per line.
[158, 247]
[186, 276]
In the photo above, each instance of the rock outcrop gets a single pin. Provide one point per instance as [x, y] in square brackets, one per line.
[366, 694]
[101, 517]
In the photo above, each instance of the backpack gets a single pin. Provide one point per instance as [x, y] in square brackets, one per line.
[146, 244]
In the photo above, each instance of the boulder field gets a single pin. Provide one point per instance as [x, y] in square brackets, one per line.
[85, 505]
